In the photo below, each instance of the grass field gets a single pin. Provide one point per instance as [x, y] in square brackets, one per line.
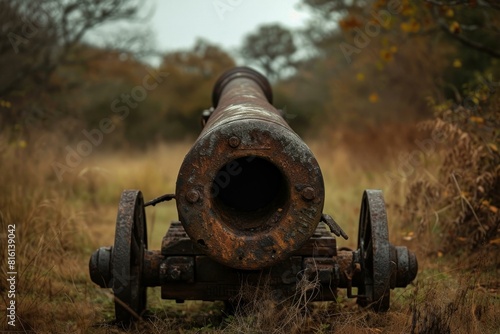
[58, 224]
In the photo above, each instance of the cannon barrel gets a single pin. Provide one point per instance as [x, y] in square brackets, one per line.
[249, 192]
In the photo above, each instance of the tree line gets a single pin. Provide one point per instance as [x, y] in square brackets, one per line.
[356, 64]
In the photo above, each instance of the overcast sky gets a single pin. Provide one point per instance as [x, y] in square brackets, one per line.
[177, 24]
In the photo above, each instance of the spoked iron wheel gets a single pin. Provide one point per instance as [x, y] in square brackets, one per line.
[373, 243]
[127, 257]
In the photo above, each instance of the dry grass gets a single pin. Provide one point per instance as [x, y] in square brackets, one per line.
[59, 224]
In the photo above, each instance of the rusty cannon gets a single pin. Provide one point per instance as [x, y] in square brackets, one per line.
[249, 198]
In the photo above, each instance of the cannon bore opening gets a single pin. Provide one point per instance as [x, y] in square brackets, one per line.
[248, 192]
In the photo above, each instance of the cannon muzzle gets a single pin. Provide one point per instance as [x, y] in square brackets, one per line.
[250, 191]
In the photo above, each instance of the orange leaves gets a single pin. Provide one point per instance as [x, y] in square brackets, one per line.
[455, 28]
[477, 119]
[411, 26]
[493, 147]
[387, 54]
[373, 98]
[490, 207]
[350, 22]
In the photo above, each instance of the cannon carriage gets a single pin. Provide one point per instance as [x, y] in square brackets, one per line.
[249, 198]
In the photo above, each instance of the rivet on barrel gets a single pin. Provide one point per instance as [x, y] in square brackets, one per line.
[193, 196]
[234, 141]
[308, 193]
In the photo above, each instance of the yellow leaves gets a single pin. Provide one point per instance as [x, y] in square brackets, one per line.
[410, 26]
[457, 63]
[373, 98]
[360, 77]
[22, 143]
[455, 27]
[5, 104]
[450, 13]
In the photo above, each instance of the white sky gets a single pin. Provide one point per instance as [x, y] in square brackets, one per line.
[177, 24]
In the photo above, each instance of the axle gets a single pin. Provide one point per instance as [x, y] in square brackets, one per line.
[185, 273]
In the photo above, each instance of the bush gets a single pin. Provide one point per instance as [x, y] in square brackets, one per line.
[462, 204]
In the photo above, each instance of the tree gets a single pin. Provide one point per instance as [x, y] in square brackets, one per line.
[475, 24]
[271, 47]
[40, 37]
[187, 91]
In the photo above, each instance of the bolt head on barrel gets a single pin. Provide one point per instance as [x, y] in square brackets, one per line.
[308, 193]
[193, 196]
[234, 141]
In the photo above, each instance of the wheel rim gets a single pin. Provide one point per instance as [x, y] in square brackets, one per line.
[373, 242]
[127, 257]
